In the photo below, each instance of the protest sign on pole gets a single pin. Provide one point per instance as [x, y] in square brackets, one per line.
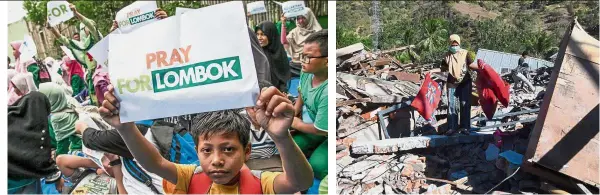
[58, 11]
[256, 7]
[136, 15]
[189, 69]
[293, 8]
[28, 48]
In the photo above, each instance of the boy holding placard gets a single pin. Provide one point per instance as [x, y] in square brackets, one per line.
[223, 146]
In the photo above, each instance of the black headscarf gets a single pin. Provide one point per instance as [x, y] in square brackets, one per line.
[29, 153]
[280, 67]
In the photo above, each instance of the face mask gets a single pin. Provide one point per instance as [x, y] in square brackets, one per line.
[453, 49]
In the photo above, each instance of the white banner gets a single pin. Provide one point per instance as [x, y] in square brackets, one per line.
[27, 49]
[293, 8]
[136, 15]
[58, 11]
[190, 69]
[256, 7]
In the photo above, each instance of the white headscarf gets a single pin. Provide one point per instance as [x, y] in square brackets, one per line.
[297, 36]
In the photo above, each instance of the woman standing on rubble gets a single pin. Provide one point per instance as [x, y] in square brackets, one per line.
[456, 62]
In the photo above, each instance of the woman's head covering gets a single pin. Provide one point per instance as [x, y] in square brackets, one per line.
[29, 149]
[280, 67]
[10, 73]
[24, 82]
[57, 96]
[74, 68]
[297, 36]
[312, 25]
[453, 38]
[20, 67]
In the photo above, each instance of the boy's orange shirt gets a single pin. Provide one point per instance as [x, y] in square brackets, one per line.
[185, 173]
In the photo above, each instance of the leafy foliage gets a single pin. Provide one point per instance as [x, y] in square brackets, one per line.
[536, 26]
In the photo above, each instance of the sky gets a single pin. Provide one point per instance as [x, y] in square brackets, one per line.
[15, 11]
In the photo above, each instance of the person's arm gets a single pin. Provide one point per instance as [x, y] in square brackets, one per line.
[107, 141]
[283, 31]
[143, 151]
[298, 105]
[90, 24]
[297, 173]
[299, 125]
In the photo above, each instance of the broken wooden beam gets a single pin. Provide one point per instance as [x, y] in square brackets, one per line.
[409, 143]
[398, 49]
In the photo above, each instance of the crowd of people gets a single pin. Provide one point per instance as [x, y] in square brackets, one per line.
[277, 146]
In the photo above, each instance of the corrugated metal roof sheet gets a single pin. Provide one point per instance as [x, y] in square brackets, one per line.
[504, 62]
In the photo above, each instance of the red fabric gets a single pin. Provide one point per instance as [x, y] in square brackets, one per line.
[249, 184]
[74, 68]
[428, 98]
[494, 81]
[487, 98]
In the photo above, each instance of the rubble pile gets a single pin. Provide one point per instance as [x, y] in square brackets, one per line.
[383, 151]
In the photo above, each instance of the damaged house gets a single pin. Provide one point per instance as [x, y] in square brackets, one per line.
[544, 141]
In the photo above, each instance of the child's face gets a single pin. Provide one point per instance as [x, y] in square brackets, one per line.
[316, 63]
[222, 156]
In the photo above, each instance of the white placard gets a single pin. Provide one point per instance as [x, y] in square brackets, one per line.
[190, 69]
[293, 8]
[67, 52]
[136, 15]
[181, 10]
[58, 11]
[100, 50]
[256, 7]
[27, 49]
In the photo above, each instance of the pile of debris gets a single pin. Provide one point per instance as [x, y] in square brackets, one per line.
[385, 147]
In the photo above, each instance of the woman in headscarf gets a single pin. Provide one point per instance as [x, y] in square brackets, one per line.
[29, 150]
[268, 38]
[305, 25]
[28, 65]
[21, 84]
[63, 118]
[75, 74]
[10, 73]
[79, 45]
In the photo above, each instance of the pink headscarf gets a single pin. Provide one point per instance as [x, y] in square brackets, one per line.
[24, 82]
[74, 68]
[20, 67]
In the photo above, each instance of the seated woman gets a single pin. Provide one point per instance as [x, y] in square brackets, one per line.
[266, 33]
[306, 25]
[63, 118]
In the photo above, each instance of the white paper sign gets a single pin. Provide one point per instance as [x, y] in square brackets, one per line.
[181, 10]
[256, 7]
[67, 52]
[58, 11]
[28, 48]
[136, 15]
[293, 8]
[100, 50]
[189, 69]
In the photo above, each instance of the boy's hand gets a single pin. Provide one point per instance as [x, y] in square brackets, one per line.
[160, 14]
[274, 112]
[114, 26]
[110, 108]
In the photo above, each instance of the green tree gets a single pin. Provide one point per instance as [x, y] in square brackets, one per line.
[435, 35]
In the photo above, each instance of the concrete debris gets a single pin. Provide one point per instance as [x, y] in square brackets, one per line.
[385, 147]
